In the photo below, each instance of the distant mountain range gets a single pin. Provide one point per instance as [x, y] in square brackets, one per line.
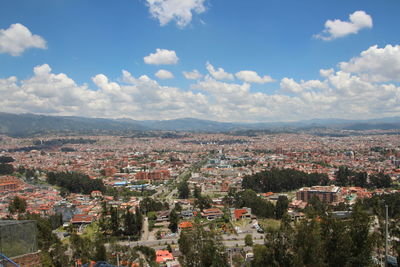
[30, 124]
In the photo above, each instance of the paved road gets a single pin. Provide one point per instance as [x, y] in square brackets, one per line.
[145, 235]
[228, 241]
[157, 243]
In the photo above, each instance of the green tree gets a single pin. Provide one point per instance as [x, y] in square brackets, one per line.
[17, 205]
[82, 248]
[248, 240]
[201, 248]
[6, 169]
[101, 252]
[139, 222]
[308, 245]
[173, 221]
[114, 221]
[281, 206]
[178, 207]
[129, 222]
[197, 192]
[361, 248]
[342, 176]
[361, 179]
[263, 256]
[6, 159]
[203, 202]
[183, 190]
[380, 180]
[337, 241]
[315, 207]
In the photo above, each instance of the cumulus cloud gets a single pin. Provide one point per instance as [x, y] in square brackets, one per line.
[192, 75]
[291, 86]
[338, 28]
[376, 64]
[17, 38]
[175, 10]
[219, 74]
[164, 74]
[252, 77]
[57, 94]
[347, 91]
[161, 57]
[326, 72]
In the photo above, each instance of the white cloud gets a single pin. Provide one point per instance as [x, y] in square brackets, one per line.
[338, 28]
[290, 86]
[192, 75]
[376, 64]
[17, 38]
[161, 57]
[349, 91]
[325, 72]
[164, 74]
[180, 11]
[219, 74]
[252, 77]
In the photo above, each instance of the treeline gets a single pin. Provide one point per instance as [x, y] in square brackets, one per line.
[6, 159]
[320, 241]
[377, 204]
[6, 168]
[59, 142]
[121, 223]
[260, 207]
[149, 204]
[75, 182]
[346, 177]
[53, 252]
[280, 180]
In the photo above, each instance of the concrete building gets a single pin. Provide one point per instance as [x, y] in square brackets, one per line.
[327, 194]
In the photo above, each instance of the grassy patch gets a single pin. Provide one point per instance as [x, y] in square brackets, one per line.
[91, 231]
[269, 224]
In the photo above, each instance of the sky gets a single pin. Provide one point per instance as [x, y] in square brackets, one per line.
[222, 60]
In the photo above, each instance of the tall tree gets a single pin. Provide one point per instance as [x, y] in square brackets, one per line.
[197, 192]
[361, 179]
[361, 249]
[173, 221]
[129, 222]
[6, 169]
[17, 205]
[183, 190]
[139, 221]
[114, 221]
[337, 241]
[201, 248]
[342, 176]
[281, 207]
[100, 252]
[308, 246]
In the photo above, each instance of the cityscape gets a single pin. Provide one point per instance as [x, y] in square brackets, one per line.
[177, 162]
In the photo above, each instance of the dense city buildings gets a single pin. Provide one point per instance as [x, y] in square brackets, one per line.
[168, 186]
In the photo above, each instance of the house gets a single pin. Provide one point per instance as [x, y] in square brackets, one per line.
[212, 214]
[295, 215]
[96, 193]
[82, 219]
[187, 213]
[162, 216]
[162, 256]
[242, 213]
[185, 226]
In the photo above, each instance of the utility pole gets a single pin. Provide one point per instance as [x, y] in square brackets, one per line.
[386, 236]
[117, 259]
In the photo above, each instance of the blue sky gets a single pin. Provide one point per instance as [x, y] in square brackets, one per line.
[271, 53]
